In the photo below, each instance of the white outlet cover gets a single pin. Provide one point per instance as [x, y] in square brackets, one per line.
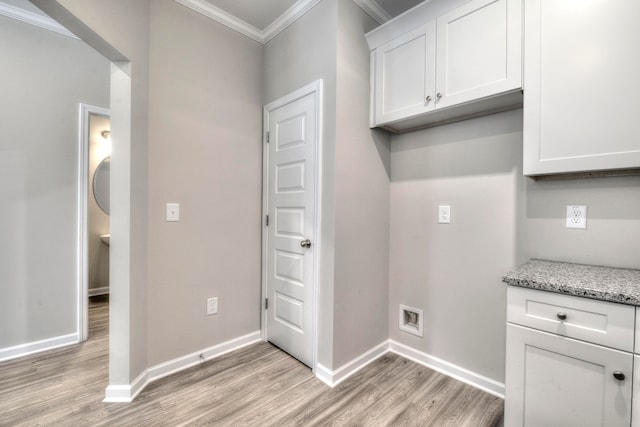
[576, 216]
[173, 212]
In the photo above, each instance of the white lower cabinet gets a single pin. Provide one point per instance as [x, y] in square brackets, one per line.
[553, 380]
[569, 361]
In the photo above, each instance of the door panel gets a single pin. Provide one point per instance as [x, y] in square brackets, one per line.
[291, 195]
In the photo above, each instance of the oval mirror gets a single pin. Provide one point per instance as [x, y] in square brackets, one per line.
[101, 184]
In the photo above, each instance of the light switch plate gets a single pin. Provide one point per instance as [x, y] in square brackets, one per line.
[212, 306]
[576, 216]
[173, 212]
[444, 214]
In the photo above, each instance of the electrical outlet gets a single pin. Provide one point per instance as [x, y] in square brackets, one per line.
[576, 216]
[212, 306]
[173, 212]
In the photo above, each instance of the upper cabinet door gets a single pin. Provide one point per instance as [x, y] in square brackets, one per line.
[479, 51]
[582, 91]
[405, 75]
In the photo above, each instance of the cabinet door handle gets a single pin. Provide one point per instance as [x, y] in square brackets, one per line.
[561, 315]
[438, 95]
[618, 375]
[428, 99]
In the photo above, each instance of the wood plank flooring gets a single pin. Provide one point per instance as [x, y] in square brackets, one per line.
[258, 385]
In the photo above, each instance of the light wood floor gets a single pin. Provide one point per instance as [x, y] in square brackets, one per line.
[258, 385]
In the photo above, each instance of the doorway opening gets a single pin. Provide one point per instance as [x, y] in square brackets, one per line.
[94, 203]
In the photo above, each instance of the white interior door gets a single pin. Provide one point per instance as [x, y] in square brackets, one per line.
[290, 233]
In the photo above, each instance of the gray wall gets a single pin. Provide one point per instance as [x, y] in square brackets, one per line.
[498, 219]
[613, 221]
[304, 52]
[328, 42]
[205, 152]
[119, 30]
[362, 164]
[44, 78]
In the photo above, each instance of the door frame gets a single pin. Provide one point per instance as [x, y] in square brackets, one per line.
[314, 88]
[82, 276]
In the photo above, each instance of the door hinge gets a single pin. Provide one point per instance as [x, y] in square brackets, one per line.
[266, 303]
[268, 137]
[267, 221]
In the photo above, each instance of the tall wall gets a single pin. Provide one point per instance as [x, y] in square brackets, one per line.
[301, 54]
[499, 219]
[119, 30]
[328, 42]
[362, 165]
[205, 152]
[44, 78]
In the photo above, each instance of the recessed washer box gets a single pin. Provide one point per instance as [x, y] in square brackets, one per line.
[411, 320]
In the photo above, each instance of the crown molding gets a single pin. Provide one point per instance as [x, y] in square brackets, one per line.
[35, 19]
[224, 18]
[374, 10]
[289, 17]
[294, 12]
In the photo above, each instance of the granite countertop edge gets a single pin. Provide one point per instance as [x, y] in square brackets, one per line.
[611, 284]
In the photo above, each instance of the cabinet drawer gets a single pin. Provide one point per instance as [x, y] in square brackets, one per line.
[585, 319]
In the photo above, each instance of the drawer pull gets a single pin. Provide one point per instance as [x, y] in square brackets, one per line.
[618, 375]
[561, 315]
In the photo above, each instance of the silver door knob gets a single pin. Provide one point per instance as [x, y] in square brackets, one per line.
[305, 243]
[428, 98]
[561, 315]
[438, 95]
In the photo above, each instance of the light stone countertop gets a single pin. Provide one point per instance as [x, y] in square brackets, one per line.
[619, 285]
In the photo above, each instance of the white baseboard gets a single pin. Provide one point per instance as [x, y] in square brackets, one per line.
[461, 374]
[333, 378]
[127, 393]
[98, 291]
[37, 346]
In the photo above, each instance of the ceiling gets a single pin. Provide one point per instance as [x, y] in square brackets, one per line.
[260, 20]
[261, 13]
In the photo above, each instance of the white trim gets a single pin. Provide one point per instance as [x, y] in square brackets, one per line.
[98, 291]
[316, 89]
[82, 268]
[461, 374]
[35, 19]
[224, 18]
[127, 393]
[37, 346]
[374, 10]
[333, 378]
[289, 17]
[261, 36]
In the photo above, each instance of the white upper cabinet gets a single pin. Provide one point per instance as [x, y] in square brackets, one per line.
[452, 66]
[405, 70]
[582, 91]
[479, 51]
